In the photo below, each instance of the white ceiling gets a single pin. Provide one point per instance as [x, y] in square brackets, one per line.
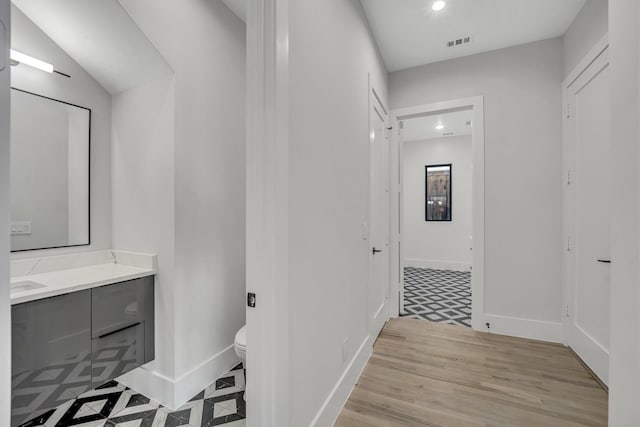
[422, 128]
[101, 37]
[239, 7]
[409, 33]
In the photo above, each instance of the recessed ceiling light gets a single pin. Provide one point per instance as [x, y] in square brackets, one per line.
[438, 5]
[439, 127]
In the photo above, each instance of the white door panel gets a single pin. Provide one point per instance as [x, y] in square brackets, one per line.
[589, 133]
[379, 218]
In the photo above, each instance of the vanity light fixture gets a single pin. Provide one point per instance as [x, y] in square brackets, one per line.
[438, 5]
[31, 61]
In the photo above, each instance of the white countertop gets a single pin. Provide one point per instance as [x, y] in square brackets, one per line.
[64, 281]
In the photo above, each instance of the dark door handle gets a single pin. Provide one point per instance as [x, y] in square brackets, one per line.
[375, 251]
[605, 261]
[119, 330]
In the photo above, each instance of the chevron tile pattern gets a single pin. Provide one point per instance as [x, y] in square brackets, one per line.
[114, 405]
[438, 295]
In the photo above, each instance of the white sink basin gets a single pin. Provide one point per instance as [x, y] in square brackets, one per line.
[25, 285]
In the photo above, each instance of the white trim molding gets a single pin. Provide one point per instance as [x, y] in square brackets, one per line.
[332, 406]
[594, 354]
[267, 213]
[173, 393]
[5, 298]
[475, 103]
[591, 56]
[525, 328]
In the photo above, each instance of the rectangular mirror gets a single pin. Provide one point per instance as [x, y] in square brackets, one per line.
[438, 188]
[50, 142]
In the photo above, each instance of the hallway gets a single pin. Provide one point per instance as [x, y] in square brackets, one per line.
[433, 374]
[438, 295]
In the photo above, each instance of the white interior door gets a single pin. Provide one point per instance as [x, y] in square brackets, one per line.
[400, 221]
[379, 218]
[589, 184]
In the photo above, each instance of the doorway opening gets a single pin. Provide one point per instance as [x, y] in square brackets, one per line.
[436, 198]
[440, 212]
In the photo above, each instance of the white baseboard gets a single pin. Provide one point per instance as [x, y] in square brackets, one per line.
[330, 410]
[150, 383]
[173, 393]
[591, 352]
[203, 375]
[437, 265]
[524, 328]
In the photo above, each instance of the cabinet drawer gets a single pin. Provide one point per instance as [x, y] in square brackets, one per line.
[117, 352]
[117, 306]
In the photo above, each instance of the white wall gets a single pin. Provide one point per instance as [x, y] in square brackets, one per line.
[331, 52]
[5, 304]
[80, 89]
[624, 366]
[586, 30]
[523, 166]
[143, 191]
[209, 181]
[441, 244]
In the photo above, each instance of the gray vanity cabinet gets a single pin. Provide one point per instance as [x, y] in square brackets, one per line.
[51, 360]
[69, 344]
[122, 331]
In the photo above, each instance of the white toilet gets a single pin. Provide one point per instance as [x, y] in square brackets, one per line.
[240, 345]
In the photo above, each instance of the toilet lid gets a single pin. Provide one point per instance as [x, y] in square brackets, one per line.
[241, 337]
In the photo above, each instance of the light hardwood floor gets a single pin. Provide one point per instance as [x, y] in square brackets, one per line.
[432, 374]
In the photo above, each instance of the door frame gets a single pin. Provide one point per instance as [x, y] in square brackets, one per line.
[376, 101]
[476, 104]
[267, 233]
[569, 202]
[5, 221]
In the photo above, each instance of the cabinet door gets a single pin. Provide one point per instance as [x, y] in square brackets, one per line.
[51, 354]
[117, 306]
[117, 352]
[120, 314]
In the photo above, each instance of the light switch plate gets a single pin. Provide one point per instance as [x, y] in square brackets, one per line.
[3, 46]
[345, 352]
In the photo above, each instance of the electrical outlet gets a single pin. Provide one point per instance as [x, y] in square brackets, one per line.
[566, 310]
[20, 227]
[344, 350]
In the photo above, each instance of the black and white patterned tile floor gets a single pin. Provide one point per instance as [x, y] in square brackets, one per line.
[438, 295]
[114, 405]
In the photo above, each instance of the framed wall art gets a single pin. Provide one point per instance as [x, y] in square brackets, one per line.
[438, 192]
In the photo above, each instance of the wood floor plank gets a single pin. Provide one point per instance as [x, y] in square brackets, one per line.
[430, 374]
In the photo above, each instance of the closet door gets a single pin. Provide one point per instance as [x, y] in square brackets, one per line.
[589, 190]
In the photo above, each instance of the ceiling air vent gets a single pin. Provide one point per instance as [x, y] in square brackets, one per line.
[447, 134]
[459, 42]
